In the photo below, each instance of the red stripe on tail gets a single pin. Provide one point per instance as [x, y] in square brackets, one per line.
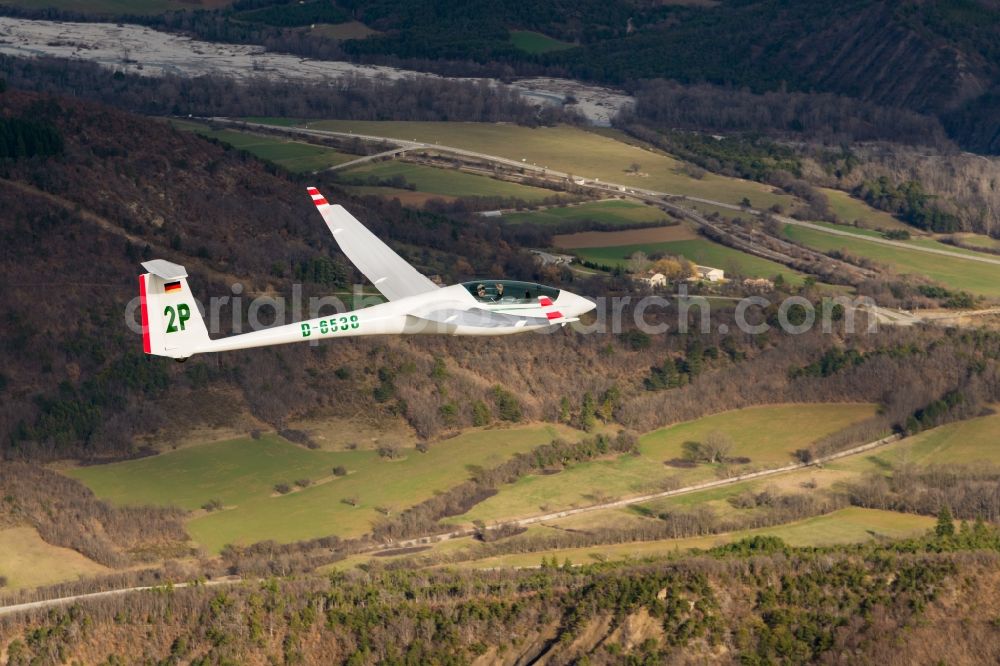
[320, 201]
[145, 315]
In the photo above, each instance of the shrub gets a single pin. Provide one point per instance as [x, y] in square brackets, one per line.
[212, 505]
[303, 483]
[282, 488]
[389, 451]
[340, 470]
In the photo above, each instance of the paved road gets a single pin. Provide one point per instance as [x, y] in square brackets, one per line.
[596, 184]
[369, 158]
[65, 601]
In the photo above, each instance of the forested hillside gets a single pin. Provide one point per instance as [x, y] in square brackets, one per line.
[755, 601]
[125, 188]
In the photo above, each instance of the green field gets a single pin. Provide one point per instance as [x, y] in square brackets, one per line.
[766, 435]
[850, 525]
[294, 156]
[952, 272]
[241, 474]
[608, 211]
[849, 209]
[447, 182]
[343, 31]
[571, 150]
[536, 42]
[701, 251]
[27, 561]
[916, 241]
[978, 240]
[708, 209]
[961, 443]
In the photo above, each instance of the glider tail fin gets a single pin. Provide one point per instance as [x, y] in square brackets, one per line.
[172, 325]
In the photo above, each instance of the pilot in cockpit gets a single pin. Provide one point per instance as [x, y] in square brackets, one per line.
[481, 291]
[499, 287]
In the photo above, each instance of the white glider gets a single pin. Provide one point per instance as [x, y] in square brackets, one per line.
[173, 326]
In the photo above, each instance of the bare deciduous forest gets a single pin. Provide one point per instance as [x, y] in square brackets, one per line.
[755, 600]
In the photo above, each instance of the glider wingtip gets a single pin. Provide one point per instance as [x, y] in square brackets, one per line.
[317, 198]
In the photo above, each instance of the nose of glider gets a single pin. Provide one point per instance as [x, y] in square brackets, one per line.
[572, 305]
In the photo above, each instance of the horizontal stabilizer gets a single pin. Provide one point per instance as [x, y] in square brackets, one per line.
[165, 269]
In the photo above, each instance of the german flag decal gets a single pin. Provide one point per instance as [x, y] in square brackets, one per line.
[172, 287]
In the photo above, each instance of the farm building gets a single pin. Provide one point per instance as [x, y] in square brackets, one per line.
[709, 274]
[652, 279]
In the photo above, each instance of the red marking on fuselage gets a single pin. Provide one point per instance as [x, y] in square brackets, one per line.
[553, 315]
[145, 315]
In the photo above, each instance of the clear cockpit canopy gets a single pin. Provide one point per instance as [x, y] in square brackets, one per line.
[509, 291]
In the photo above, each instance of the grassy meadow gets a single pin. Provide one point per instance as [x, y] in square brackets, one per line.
[446, 182]
[27, 561]
[766, 435]
[607, 211]
[849, 209]
[849, 525]
[343, 31]
[970, 442]
[242, 473]
[953, 272]
[295, 156]
[978, 240]
[571, 150]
